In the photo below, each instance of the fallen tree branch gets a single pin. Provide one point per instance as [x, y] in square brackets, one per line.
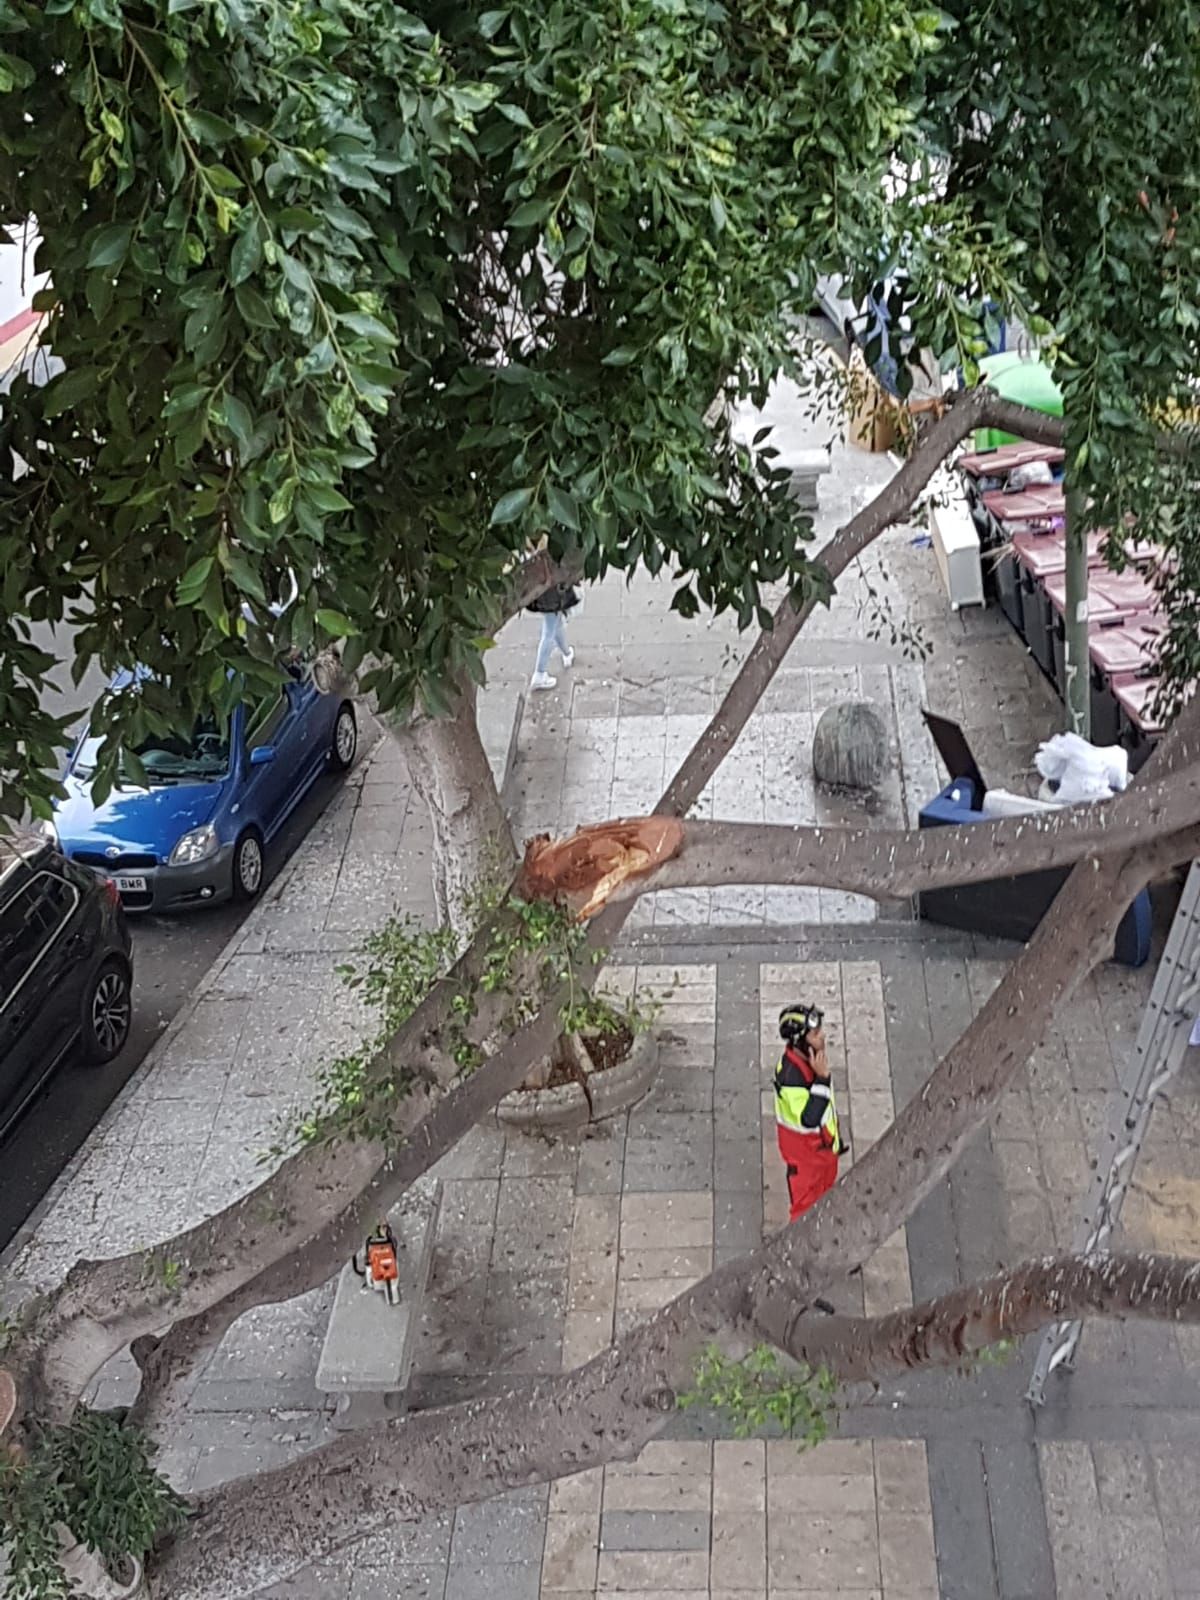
[967, 1321]
[892, 862]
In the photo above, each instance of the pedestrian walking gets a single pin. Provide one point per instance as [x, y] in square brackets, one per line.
[552, 605]
[805, 1115]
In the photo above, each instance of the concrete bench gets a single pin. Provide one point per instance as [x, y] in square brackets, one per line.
[369, 1345]
[805, 466]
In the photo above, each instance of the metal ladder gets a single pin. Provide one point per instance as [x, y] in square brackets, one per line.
[1157, 1056]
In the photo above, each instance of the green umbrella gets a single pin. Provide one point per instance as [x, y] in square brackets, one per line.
[1023, 379]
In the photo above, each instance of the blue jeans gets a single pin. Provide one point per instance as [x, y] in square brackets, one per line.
[554, 637]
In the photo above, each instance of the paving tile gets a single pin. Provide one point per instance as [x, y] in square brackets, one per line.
[906, 1554]
[571, 1551]
[665, 1570]
[825, 1495]
[739, 1475]
[579, 1494]
[689, 1262]
[739, 1548]
[901, 1475]
[655, 1530]
[835, 1552]
[494, 1581]
[585, 1334]
[835, 1458]
[686, 1218]
[405, 1579]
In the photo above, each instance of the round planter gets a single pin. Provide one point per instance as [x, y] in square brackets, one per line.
[561, 1109]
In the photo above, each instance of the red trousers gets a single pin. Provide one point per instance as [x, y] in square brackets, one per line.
[812, 1167]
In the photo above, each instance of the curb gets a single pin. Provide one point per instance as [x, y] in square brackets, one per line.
[133, 1085]
[511, 754]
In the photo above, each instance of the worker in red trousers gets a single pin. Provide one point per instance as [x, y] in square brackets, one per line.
[805, 1115]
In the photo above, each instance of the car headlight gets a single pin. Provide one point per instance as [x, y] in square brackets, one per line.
[197, 845]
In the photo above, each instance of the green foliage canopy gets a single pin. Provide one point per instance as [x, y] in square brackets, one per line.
[383, 297]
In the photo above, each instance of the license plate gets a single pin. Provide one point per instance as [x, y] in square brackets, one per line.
[129, 885]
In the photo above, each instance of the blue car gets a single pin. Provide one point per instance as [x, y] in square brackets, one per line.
[198, 831]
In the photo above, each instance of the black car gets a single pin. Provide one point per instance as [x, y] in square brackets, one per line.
[65, 968]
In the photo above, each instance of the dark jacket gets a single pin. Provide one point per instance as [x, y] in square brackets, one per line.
[560, 598]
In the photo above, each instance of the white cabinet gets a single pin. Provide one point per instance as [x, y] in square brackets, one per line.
[956, 550]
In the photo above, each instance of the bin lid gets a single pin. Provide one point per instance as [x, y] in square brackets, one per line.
[1100, 607]
[1046, 553]
[1041, 553]
[1043, 502]
[1136, 695]
[952, 746]
[1007, 457]
[1128, 645]
[1110, 594]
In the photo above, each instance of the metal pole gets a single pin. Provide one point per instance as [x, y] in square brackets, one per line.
[1077, 671]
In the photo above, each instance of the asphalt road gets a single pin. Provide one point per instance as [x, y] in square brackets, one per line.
[171, 955]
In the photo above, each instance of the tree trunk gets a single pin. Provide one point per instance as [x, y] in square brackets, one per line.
[1077, 670]
[472, 841]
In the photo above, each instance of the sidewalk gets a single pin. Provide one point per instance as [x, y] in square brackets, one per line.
[942, 1485]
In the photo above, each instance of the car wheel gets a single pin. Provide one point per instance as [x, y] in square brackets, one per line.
[247, 866]
[107, 1013]
[344, 744]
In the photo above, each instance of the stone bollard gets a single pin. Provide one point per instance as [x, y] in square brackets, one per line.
[850, 746]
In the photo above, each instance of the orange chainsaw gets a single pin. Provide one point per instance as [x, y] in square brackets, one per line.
[382, 1264]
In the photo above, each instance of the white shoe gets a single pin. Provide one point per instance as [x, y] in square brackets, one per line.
[568, 657]
[542, 680]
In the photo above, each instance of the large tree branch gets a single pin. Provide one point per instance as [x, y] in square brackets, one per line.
[969, 1320]
[975, 408]
[889, 862]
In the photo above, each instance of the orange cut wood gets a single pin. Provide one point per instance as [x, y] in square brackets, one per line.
[582, 872]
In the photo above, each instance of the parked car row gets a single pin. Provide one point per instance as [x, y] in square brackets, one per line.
[66, 968]
[190, 825]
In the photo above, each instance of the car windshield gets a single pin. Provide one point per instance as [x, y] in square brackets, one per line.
[168, 757]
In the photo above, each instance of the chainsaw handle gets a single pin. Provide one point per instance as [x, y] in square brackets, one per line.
[360, 1272]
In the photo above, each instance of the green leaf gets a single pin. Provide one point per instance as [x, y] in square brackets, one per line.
[530, 214]
[717, 207]
[243, 572]
[326, 498]
[113, 126]
[69, 389]
[282, 500]
[515, 114]
[110, 245]
[490, 23]
[246, 256]
[563, 507]
[623, 356]
[191, 586]
[208, 127]
[237, 418]
[336, 624]
[297, 219]
[369, 327]
[510, 506]
[255, 311]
